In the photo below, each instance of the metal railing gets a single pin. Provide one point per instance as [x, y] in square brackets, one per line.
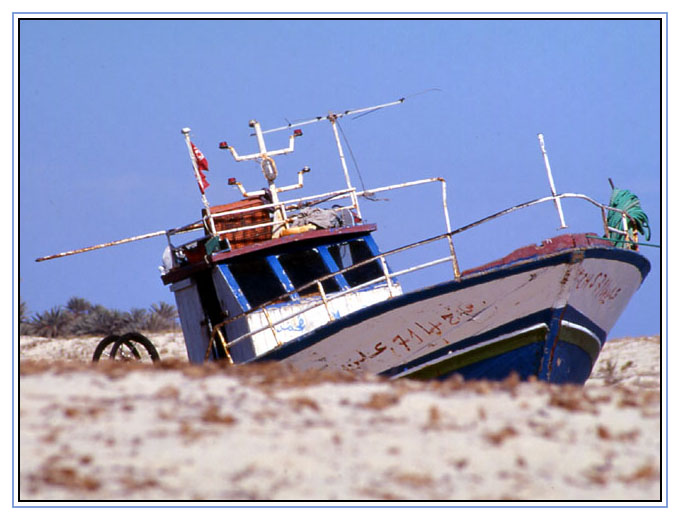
[389, 277]
[313, 200]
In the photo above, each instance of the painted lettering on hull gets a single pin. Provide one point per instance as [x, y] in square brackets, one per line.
[602, 286]
[412, 335]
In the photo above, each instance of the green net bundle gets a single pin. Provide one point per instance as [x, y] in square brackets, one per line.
[637, 219]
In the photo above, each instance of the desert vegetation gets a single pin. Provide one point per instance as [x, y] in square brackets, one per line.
[79, 317]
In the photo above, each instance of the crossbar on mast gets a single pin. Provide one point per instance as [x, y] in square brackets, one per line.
[333, 116]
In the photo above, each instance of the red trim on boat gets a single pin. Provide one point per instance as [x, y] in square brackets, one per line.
[548, 246]
[306, 236]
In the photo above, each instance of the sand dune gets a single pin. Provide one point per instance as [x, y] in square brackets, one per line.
[174, 432]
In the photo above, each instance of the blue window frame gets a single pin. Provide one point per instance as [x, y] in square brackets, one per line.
[349, 253]
[256, 280]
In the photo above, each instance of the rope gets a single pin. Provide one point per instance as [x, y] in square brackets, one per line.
[637, 219]
[356, 166]
[626, 241]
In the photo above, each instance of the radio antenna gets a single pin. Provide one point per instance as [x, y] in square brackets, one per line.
[333, 116]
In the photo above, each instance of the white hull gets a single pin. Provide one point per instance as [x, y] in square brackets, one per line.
[442, 322]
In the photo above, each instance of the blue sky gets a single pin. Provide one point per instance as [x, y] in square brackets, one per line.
[102, 103]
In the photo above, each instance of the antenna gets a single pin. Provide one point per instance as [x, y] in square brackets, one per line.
[267, 163]
[333, 116]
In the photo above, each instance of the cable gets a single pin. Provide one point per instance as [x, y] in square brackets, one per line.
[356, 165]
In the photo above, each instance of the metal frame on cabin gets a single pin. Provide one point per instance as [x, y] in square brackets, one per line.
[387, 277]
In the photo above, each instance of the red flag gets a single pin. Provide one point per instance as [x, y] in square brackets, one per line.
[202, 164]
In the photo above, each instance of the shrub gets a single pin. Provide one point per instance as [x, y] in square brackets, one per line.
[52, 323]
[80, 317]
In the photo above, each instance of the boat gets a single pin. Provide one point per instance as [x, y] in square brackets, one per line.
[303, 281]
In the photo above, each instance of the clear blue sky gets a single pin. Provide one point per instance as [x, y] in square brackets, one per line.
[102, 103]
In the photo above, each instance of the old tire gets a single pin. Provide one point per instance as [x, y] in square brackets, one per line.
[116, 340]
[135, 337]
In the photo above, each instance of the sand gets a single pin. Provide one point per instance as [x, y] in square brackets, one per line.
[116, 431]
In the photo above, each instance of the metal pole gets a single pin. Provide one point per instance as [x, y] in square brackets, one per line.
[101, 246]
[344, 166]
[183, 229]
[558, 204]
[333, 116]
[197, 174]
[279, 211]
[454, 258]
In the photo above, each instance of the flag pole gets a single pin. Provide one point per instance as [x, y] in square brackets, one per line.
[197, 174]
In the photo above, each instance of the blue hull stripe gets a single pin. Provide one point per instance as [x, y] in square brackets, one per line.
[572, 315]
[520, 352]
[301, 343]
[542, 317]
[523, 358]
[508, 328]
[572, 356]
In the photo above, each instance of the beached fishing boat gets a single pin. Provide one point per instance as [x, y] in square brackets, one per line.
[303, 281]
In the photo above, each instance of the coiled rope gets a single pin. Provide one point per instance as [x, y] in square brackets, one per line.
[637, 219]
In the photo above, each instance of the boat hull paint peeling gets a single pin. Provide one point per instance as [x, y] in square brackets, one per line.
[546, 317]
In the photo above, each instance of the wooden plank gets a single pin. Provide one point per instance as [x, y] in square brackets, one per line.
[192, 319]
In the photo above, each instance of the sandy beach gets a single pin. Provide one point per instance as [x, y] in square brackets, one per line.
[116, 431]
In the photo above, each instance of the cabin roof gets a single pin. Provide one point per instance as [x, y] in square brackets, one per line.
[268, 247]
[309, 238]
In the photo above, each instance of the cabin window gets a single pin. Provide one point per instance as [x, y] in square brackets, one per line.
[257, 280]
[352, 252]
[304, 267]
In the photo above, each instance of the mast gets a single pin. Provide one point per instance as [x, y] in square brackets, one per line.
[558, 204]
[269, 170]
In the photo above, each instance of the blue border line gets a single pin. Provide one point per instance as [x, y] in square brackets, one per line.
[14, 385]
[342, 506]
[666, 265]
[659, 506]
[344, 12]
